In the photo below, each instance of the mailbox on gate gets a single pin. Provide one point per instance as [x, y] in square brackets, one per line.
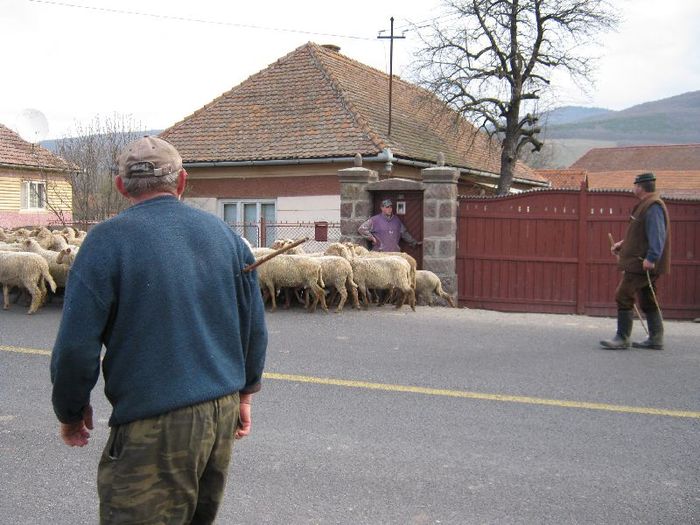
[321, 231]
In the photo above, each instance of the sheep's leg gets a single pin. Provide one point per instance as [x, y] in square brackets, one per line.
[319, 295]
[287, 298]
[42, 290]
[37, 297]
[333, 296]
[343, 297]
[363, 293]
[5, 297]
[401, 299]
[355, 299]
[442, 293]
[271, 291]
[312, 307]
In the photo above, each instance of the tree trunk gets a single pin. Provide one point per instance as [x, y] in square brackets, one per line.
[508, 160]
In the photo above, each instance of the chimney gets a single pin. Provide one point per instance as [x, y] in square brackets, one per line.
[331, 47]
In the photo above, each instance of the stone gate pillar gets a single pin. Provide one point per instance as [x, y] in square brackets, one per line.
[355, 200]
[440, 225]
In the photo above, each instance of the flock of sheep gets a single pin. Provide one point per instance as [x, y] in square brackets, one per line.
[342, 269]
[32, 259]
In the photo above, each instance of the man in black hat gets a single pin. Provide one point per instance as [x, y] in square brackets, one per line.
[643, 255]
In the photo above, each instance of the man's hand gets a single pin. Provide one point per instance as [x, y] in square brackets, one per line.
[245, 420]
[647, 265]
[615, 248]
[76, 434]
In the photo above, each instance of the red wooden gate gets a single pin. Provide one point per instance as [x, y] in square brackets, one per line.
[548, 251]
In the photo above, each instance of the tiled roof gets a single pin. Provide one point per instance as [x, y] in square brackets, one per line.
[317, 103]
[563, 178]
[15, 151]
[665, 180]
[677, 183]
[678, 157]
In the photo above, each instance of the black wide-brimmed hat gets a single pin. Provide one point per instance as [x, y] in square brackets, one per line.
[644, 177]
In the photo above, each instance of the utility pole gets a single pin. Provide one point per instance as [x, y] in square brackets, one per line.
[391, 38]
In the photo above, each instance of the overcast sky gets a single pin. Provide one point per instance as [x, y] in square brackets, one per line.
[72, 63]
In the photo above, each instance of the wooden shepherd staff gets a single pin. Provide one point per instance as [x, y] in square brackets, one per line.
[636, 308]
[269, 256]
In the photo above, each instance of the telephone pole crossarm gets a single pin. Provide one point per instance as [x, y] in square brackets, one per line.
[391, 38]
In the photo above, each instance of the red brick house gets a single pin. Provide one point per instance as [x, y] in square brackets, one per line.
[272, 146]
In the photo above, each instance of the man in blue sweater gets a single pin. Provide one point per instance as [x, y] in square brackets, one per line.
[162, 287]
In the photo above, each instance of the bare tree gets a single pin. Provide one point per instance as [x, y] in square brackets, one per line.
[94, 147]
[492, 62]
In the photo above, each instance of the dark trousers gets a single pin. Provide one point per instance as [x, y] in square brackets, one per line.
[169, 469]
[636, 285]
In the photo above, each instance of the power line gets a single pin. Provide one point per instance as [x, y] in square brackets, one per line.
[425, 23]
[197, 20]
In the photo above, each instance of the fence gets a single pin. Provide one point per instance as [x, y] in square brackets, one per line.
[548, 251]
[263, 233]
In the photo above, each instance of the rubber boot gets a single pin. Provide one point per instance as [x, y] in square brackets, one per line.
[655, 341]
[624, 329]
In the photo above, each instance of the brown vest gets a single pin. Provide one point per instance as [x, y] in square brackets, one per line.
[635, 247]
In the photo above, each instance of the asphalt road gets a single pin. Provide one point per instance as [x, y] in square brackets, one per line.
[395, 417]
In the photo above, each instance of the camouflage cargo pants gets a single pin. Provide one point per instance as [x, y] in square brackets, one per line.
[170, 469]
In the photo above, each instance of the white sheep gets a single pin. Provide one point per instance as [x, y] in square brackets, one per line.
[10, 247]
[28, 270]
[59, 262]
[384, 273]
[427, 284]
[337, 272]
[293, 271]
[361, 251]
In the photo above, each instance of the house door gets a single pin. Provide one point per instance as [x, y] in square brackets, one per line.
[408, 206]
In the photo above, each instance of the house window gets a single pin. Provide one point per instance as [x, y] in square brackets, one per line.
[33, 195]
[246, 217]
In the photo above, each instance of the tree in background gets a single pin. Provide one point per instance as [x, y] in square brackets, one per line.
[94, 147]
[492, 61]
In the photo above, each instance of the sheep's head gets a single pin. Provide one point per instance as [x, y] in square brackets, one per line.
[66, 256]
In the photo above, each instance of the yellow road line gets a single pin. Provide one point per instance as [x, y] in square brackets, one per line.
[21, 350]
[479, 395]
[444, 392]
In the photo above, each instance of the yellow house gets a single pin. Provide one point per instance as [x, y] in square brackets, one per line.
[35, 185]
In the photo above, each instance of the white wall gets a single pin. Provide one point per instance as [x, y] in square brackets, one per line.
[206, 204]
[287, 209]
[308, 209]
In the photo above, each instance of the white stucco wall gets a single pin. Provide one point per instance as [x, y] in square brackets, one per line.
[287, 209]
[308, 209]
[206, 204]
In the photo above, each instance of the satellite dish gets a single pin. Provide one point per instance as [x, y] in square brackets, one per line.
[32, 126]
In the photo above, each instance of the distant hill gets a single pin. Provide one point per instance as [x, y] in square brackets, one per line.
[674, 120]
[570, 131]
[52, 144]
[569, 114]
